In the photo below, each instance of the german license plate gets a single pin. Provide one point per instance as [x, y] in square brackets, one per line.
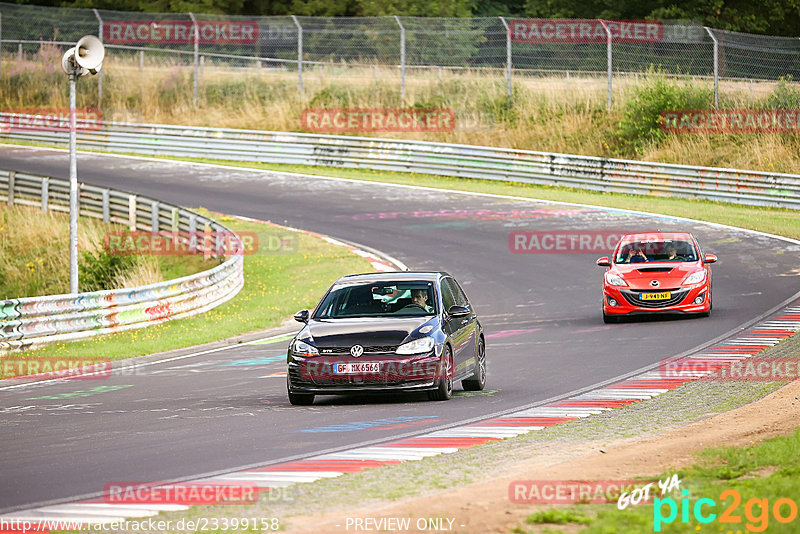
[354, 368]
[664, 295]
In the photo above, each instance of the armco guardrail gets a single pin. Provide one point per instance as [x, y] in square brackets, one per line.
[29, 322]
[583, 172]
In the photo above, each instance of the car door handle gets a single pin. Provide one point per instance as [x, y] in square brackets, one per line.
[465, 321]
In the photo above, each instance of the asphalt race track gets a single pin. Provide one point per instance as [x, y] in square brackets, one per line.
[220, 411]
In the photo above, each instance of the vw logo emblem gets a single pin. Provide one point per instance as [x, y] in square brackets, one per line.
[356, 351]
[654, 283]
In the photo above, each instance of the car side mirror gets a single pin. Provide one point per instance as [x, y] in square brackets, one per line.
[709, 258]
[458, 311]
[604, 262]
[301, 316]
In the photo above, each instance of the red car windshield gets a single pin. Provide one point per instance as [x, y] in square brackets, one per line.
[662, 250]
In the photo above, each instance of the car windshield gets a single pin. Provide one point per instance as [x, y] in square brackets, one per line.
[662, 250]
[379, 299]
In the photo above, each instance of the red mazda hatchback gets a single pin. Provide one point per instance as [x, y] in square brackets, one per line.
[656, 272]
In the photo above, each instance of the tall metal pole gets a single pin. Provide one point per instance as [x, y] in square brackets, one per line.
[716, 65]
[73, 189]
[299, 55]
[100, 74]
[608, 59]
[508, 55]
[196, 57]
[402, 58]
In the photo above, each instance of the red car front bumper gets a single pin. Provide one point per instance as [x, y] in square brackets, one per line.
[625, 300]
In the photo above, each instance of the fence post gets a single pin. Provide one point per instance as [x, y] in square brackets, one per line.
[100, 73]
[402, 58]
[508, 55]
[19, 52]
[608, 59]
[299, 55]
[716, 65]
[196, 57]
[141, 60]
[11, 180]
[45, 194]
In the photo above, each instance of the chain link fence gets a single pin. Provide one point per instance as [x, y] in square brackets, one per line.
[399, 50]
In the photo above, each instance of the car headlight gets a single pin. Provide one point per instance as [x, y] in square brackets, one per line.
[418, 346]
[695, 278]
[615, 280]
[301, 348]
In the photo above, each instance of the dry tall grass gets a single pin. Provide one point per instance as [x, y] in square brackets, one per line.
[34, 253]
[549, 113]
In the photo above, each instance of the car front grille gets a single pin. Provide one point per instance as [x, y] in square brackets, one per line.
[376, 349]
[633, 298]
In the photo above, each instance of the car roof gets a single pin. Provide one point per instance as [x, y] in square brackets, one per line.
[393, 276]
[644, 236]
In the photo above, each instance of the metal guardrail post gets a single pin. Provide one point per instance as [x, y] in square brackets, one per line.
[11, 180]
[508, 55]
[299, 55]
[196, 58]
[45, 194]
[132, 213]
[402, 58]
[106, 206]
[716, 65]
[608, 59]
[154, 208]
[193, 232]
[100, 73]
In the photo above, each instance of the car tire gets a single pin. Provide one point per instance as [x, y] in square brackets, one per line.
[609, 319]
[477, 381]
[299, 399]
[444, 389]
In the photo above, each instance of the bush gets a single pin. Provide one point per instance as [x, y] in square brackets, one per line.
[641, 123]
[97, 273]
[784, 95]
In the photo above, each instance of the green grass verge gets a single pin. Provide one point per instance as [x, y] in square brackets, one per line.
[755, 477]
[277, 284]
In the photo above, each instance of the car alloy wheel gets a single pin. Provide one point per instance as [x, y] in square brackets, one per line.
[477, 381]
[445, 389]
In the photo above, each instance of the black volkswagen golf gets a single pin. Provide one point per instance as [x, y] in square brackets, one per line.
[402, 331]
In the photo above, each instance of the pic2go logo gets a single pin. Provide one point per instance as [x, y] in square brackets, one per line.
[756, 511]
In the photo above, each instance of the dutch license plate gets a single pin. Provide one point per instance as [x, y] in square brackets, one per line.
[664, 295]
[353, 368]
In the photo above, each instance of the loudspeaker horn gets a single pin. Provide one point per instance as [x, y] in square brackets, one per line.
[89, 53]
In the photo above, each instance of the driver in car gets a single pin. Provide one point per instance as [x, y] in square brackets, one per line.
[419, 299]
